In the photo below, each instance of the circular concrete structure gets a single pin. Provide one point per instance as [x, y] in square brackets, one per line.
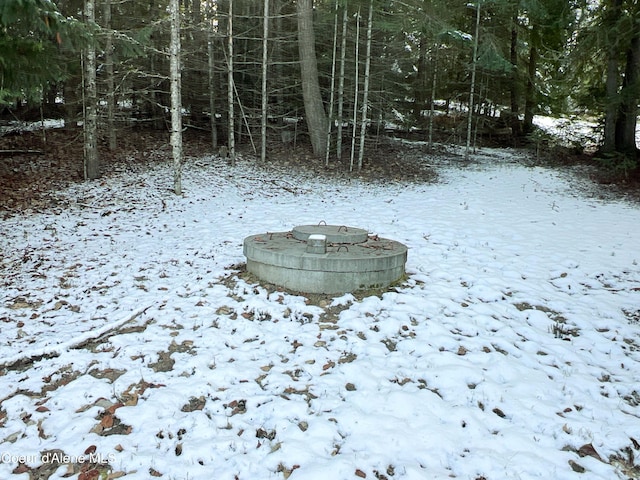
[325, 259]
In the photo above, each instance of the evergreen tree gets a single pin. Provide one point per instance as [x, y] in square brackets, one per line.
[33, 36]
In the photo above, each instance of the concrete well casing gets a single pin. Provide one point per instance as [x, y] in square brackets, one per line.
[352, 260]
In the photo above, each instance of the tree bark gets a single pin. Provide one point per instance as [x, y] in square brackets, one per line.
[630, 94]
[612, 80]
[365, 94]
[176, 100]
[432, 101]
[333, 84]
[230, 86]
[110, 81]
[212, 81]
[343, 53]
[473, 82]
[265, 58]
[91, 161]
[530, 93]
[355, 93]
[514, 92]
[314, 109]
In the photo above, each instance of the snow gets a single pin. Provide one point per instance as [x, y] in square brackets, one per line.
[513, 344]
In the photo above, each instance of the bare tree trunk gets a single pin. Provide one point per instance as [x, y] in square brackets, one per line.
[473, 82]
[230, 86]
[265, 57]
[108, 60]
[212, 75]
[176, 100]
[91, 162]
[333, 84]
[355, 93]
[365, 95]
[515, 85]
[530, 93]
[314, 109]
[432, 105]
[343, 54]
[630, 93]
[612, 14]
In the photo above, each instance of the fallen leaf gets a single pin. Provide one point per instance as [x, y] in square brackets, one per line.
[89, 475]
[588, 450]
[107, 421]
[576, 467]
[360, 473]
[90, 449]
[111, 410]
[22, 468]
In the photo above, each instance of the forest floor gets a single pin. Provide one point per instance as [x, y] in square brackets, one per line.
[33, 165]
[134, 345]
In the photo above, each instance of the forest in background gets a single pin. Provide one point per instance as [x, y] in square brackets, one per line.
[333, 73]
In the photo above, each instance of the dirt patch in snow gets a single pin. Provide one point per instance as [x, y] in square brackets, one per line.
[33, 165]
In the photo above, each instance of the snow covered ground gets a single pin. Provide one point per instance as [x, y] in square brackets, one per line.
[131, 347]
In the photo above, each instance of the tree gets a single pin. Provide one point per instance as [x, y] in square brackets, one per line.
[313, 106]
[607, 55]
[33, 35]
[473, 79]
[367, 76]
[176, 100]
[91, 163]
[110, 77]
[264, 92]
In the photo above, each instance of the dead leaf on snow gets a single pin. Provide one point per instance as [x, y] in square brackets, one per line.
[576, 467]
[588, 450]
[328, 365]
[92, 474]
[107, 421]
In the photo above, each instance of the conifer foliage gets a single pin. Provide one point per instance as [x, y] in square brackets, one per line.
[331, 73]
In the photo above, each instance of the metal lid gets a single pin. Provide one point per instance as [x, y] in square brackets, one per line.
[334, 233]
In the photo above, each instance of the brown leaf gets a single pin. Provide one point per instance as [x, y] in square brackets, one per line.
[22, 468]
[107, 421]
[41, 409]
[360, 473]
[89, 475]
[90, 449]
[111, 410]
[588, 450]
[154, 473]
[576, 467]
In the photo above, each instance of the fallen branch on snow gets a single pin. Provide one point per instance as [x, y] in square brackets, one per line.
[53, 351]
